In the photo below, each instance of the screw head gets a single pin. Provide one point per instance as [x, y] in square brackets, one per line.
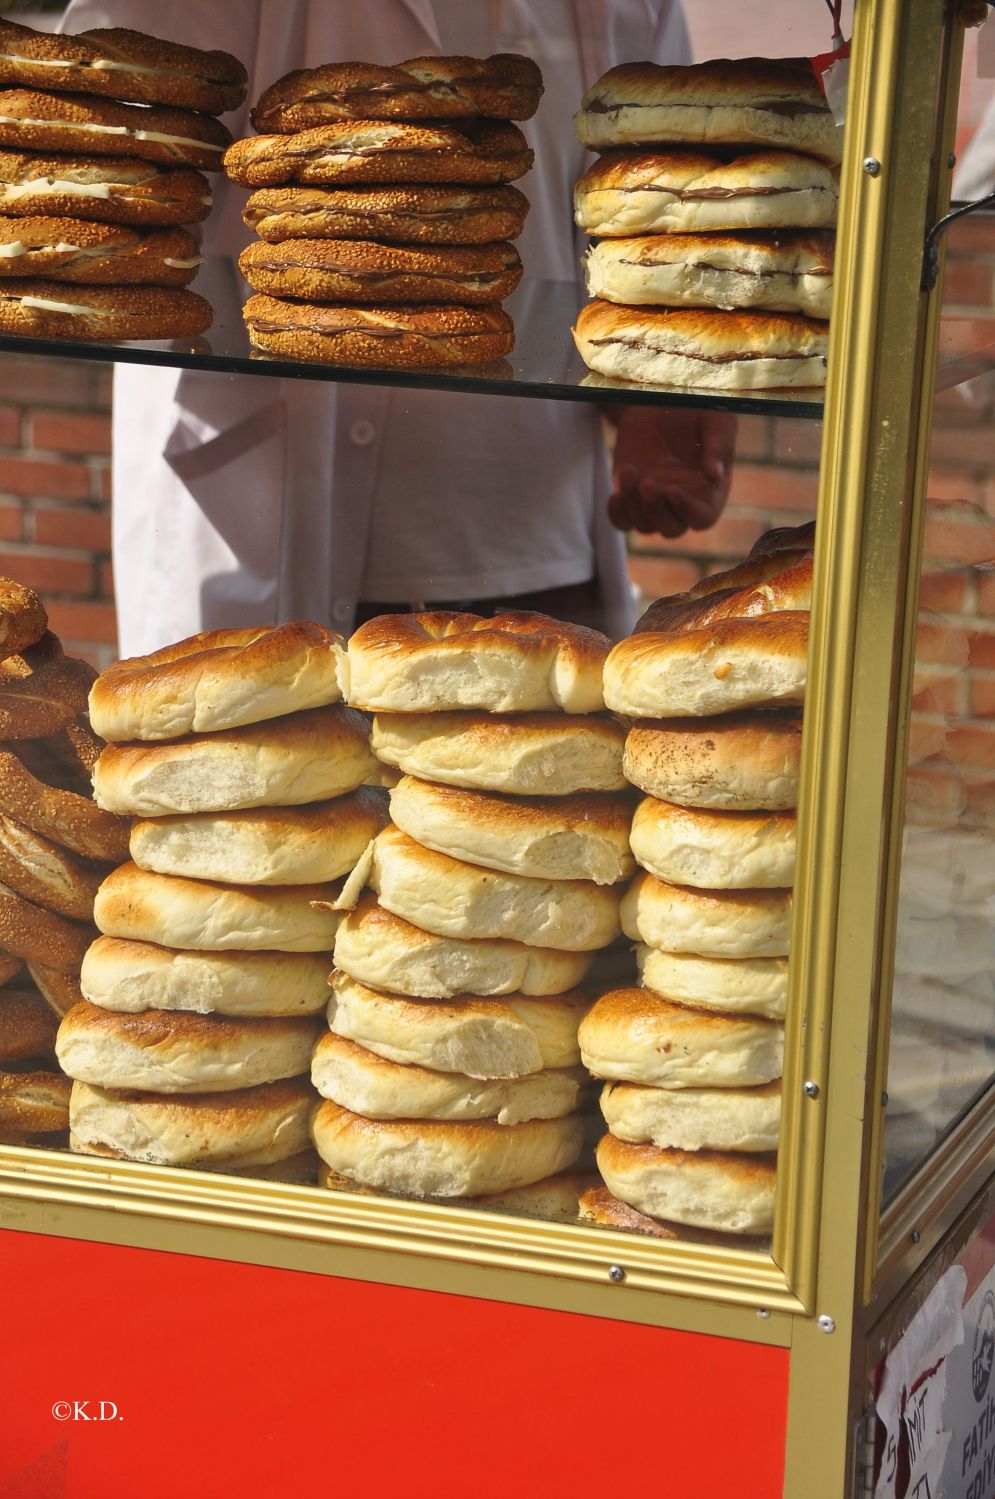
[884, 1100]
[826, 1324]
[616, 1274]
[811, 1090]
[915, 1236]
[952, 160]
[872, 166]
[763, 1311]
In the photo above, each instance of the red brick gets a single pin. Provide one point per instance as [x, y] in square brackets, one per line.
[934, 794]
[753, 437]
[981, 651]
[982, 697]
[967, 282]
[973, 746]
[927, 737]
[47, 573]
[986, 593]
[105, 580]
[51, 382]
[973, 234]
[65, 432]
[980, 806]
[103, 387]
[939, 695]
[104, 483]
[946, 488]
[966, 535]
[732, 536]
[971, 448]
[772, 488]
[940, 643]
[38, 476]
[797, 441]
[79, 528]
[10, 426]
[11, 522]
[945, 592]
[656, 577]
[92, 622]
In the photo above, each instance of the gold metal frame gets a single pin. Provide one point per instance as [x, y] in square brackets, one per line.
[870, 516]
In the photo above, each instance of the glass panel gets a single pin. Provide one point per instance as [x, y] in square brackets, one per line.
[943, 1038]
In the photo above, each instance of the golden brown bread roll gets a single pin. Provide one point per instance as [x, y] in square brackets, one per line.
[36, 121]
[108, 190]
[366, 271]
[76, 250]
[390, 337]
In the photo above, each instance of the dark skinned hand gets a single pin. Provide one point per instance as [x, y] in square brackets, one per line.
[672, 469]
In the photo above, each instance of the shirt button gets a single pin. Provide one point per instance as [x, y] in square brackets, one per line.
[362, 433]
[341, 609]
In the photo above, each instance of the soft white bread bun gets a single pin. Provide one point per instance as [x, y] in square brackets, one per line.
[712, 923]
[368, 1084]
[735, 762]
[786, 272]
[529, 754]
[554, 1198]
[704, 1188]
[481, 1038]
[513, 663]
[265, 845]
[289, 761]
[694, 1118]
[751, 986]
[249, 1127]
[299, 1170]
[774, 101]
[165, 1051]
[630, 193]
[732, 664]
[217, 680]
[636, 1036]
[703, 348]
[206, 916]
[455, 899]
[381, 949]
[134, 976]
[548, 838]
[429, 1158]
[597, 1205]
[714, 850]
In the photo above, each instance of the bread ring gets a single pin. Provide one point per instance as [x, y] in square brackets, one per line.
[359, 151]
[344, 270]
[217, 680]
[60, 991]
[46, 874]
[120, 64]
[399, 338]
[73, 122]
[10, 966]
[513, 663]
[27, 1025]
[736, 761]
[597, 1205]
[34, 1103]
[106, 189]
[23, 620]
[41, 691]
[704, 1188]
[431, 215]
[40, 936]
[62, 816]
[37, 309]
[502, 87]
[66, 249]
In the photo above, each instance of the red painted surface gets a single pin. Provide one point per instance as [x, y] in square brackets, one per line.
[236, 1382]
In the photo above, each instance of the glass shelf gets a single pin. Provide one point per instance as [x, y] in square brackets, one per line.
[544, 362]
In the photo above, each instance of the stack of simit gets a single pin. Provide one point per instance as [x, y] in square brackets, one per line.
[55, 848]
[692, 1060]
[451, 1064]
[385, 212]
[192, 1044]
[93, 191]
[715, 204]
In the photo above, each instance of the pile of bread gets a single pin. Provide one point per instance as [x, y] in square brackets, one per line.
[712, 682]
[384, 210]
[450, 1068]
[714, 205]
[192, 1044]
[55, 848]
[93, 191]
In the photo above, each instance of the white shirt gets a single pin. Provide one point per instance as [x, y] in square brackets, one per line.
[243, 498]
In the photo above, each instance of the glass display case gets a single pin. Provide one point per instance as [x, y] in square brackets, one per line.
[889, 1048]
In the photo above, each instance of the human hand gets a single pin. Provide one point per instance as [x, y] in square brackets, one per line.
[672, 469]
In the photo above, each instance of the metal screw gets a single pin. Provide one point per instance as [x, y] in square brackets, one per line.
[872, 166]
[811, 1090]
[884, 1100]
[915, 1236]
[952, 160]
[762, 1311]
[826, 1324]
[616, 1274]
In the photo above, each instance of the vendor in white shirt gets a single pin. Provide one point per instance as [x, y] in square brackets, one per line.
[245, 499]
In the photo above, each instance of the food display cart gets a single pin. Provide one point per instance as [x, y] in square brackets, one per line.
[167, 1331]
